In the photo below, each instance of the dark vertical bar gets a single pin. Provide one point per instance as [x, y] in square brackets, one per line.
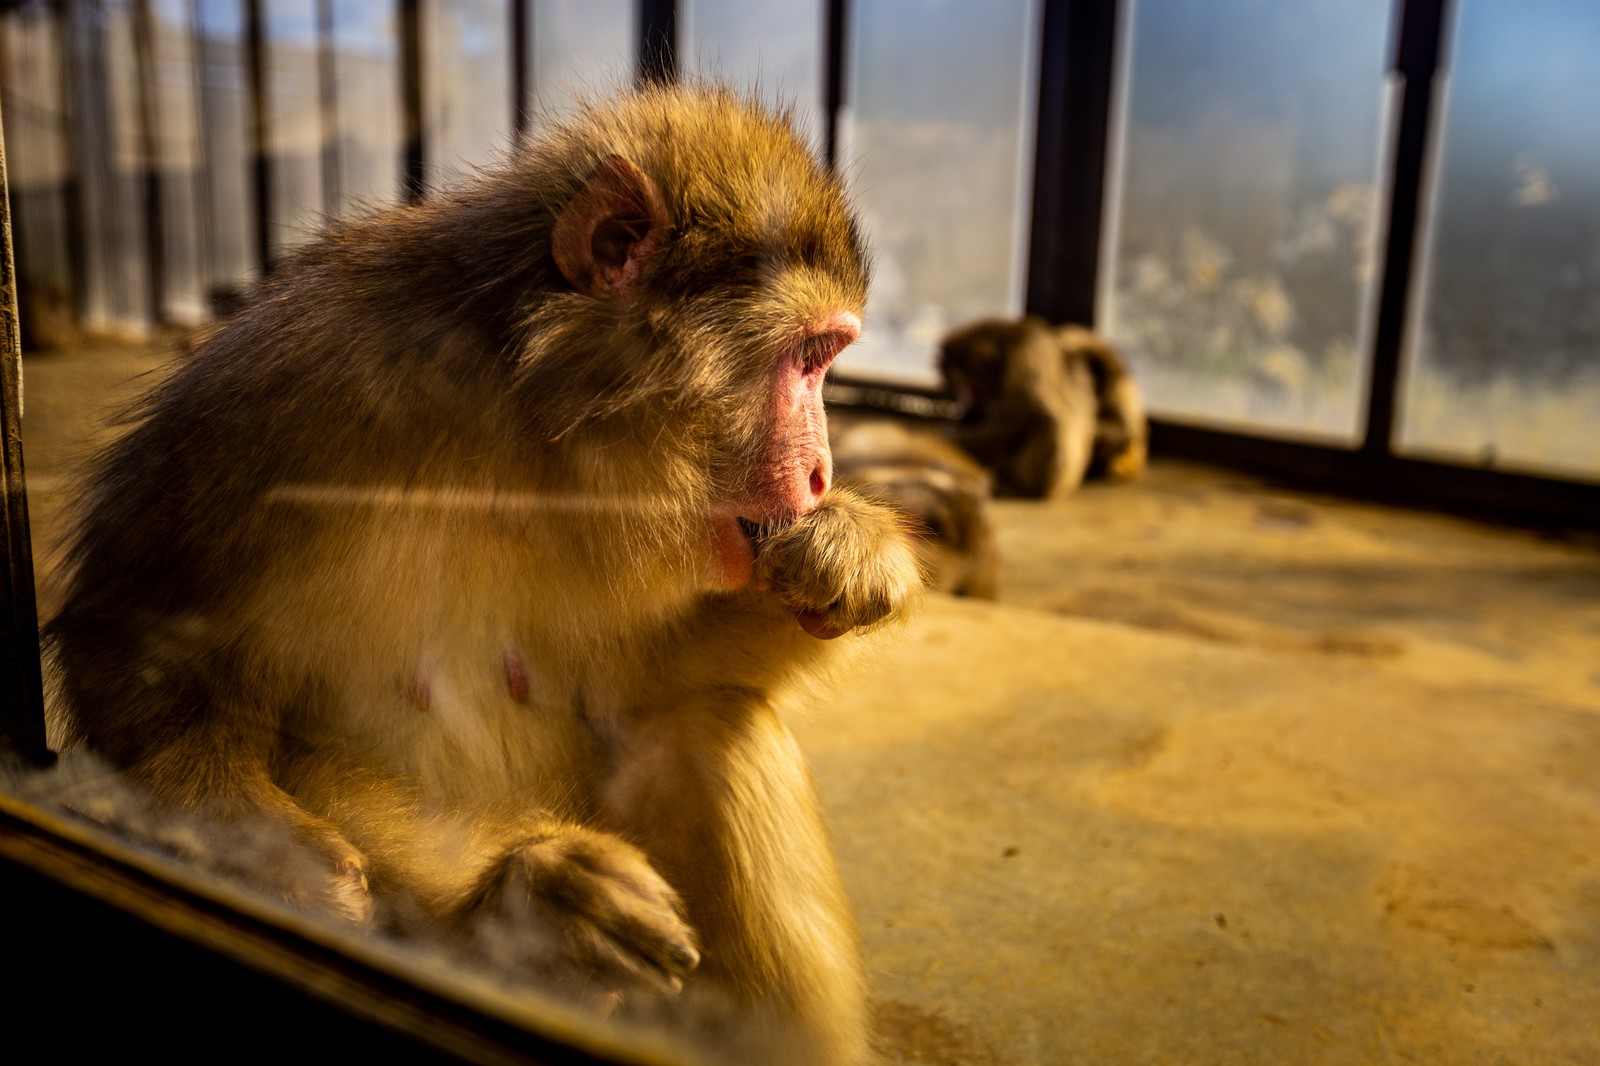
[22, 729]
[520, 87]
[836, 32]
[72, 184]
[260, 152]
[1077, 69]
[1418, 47]
[658, 41]
[149, 118]
[414, 180]
[328, 105]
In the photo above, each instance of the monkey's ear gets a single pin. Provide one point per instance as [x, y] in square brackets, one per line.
[609, 229]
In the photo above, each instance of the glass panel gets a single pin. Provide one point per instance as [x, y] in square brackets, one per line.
[1242, 246]
[579, 48]
[176, 140]
[225, 119]
[105, 96]
[937, 143]
[37, 159]
[1504, 367]
[466, 71]
[367, 92]
[773, 46]
[293, 122]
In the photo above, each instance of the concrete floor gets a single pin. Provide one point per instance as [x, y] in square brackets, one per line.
[1227, 775]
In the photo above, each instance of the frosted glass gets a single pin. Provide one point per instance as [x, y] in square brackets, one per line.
[771, 47]
[581, 48]
[1504, 365]
[369, 132]
[294, 123]
[225, 121]
[37, 154]
[175, 106]
[937, 145]
[116, 279]
[1243, 238]
[466, 70]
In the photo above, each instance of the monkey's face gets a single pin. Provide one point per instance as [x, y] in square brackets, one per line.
[731, 294]
[972, 363]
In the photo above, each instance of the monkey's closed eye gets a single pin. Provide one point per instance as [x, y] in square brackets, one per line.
[813, 355]
[753, 531]
[818, 350]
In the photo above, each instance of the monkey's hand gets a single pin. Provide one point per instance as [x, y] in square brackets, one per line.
[586, 912]
[336, 882]
[848, 564]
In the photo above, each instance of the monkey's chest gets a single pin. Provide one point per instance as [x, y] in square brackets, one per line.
[466, 721]
[422, 632]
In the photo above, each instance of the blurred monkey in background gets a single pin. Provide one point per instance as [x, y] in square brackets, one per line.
[1044, 406]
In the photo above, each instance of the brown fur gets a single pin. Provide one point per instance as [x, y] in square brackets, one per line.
[1045, 406]
[427, 554]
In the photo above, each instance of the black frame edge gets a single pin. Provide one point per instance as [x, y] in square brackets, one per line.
[234, 965]
[22, 723]
[1419, 30]
[658, 42]
[1077, 76]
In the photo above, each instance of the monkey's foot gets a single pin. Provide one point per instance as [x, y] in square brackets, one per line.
[583, 910]
[846, 565]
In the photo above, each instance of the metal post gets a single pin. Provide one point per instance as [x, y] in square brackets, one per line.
[21, 683]
[1076, 73]
[1417, 62]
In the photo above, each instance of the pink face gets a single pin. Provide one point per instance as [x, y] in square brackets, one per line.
[602, 242]
[796, 466]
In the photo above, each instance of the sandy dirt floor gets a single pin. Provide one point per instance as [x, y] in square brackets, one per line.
[1227, 774]
[1234, 775]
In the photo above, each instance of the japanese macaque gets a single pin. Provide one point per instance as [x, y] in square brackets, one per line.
[1044, 406]
[481, 550]
[943, 490]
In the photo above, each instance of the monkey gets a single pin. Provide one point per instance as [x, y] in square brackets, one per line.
[1044, 407]
[1122, 429]
[942, 488]
[484, 548]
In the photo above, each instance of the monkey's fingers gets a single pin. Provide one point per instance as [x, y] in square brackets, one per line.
[589, 905]
[848, 564]
[649, 943]
[816, 623]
